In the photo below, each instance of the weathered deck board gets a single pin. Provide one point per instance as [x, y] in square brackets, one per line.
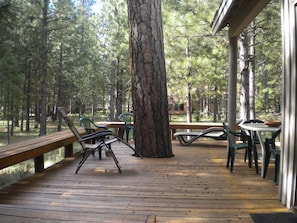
[193, 186]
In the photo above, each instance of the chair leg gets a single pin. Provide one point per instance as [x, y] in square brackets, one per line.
[277, 167]
[255, 158]
[267, 158]
[100, 153]
[116, 161]
[266, 164]
[84, 158]
[111, 153]
[127, 144]
[228, 158]
[127, 134]
[248, 154]
[232, 156]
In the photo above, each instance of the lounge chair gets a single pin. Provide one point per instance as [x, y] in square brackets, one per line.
[187, 138]
[102, 140]
[91, 127]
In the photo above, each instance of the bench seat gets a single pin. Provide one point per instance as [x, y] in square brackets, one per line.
[35, 148]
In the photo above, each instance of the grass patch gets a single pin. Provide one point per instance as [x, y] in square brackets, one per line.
[16, 172]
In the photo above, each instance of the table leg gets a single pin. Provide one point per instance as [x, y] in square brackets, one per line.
[263, 159]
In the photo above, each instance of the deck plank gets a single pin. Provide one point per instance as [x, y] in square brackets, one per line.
[192, 186]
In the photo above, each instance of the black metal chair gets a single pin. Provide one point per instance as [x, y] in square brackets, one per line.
[91, 127]
[233, 146]
[103, 139]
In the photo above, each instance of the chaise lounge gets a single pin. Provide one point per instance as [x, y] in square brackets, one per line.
[187, 138]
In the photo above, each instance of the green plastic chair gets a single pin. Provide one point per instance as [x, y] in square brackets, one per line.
[271, 149]
[127, 118]
[233, 147]
[89, 125]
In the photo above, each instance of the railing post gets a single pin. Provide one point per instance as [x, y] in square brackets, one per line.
[68, 150]
[39, 163]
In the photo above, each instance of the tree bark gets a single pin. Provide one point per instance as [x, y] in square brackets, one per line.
[189, 106]
[44, 56]
[112, 87]
[244, 75]
[252, 70]
[148, 78]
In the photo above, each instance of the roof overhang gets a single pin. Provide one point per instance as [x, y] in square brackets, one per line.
[237, 15]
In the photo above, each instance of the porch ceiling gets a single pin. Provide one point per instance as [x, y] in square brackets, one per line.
[237, 15]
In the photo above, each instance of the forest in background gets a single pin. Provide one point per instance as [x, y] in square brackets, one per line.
[62, 53]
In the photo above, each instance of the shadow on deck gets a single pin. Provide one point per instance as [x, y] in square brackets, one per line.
[193, 186]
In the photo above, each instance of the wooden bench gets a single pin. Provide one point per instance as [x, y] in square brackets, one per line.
[119, 126]
[36, 148]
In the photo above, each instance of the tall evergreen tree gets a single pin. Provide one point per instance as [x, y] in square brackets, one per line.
[148, 73]
[195, 59]
[114, 16]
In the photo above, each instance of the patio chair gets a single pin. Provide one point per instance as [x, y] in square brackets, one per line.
[234, 146]
[270, 148]
[106, 139]
[127, 118]
[187, 138]
[90, 126]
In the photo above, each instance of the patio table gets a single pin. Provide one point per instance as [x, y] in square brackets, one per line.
[260, 128]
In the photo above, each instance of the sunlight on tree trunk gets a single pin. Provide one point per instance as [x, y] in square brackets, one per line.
[189, 103]
[244, 76]
[252, 70]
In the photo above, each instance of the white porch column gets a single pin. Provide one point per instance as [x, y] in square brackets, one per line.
[287, 184]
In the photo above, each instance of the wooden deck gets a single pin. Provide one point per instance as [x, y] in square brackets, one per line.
[193, 186]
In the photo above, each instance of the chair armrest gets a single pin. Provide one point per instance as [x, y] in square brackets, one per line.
[213, 129]
[101, 127]
[238, 133]
[89, 129]
[96, 135]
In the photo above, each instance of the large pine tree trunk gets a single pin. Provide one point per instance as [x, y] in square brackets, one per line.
[148, 77]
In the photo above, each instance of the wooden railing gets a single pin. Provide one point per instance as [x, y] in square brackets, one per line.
[174, 126]
[36, 148]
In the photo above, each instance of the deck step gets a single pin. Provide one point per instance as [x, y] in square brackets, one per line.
[151, 219]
